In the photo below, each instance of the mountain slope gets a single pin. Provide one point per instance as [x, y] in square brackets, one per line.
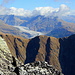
[11, 20]
[36, 49]
[57, 52]
[69, 18]
[47, 24]
[39, 23]
[42, 24]
[59, 33]
[67, 55]
[50, 25]
[10, 65]
[5, 28]
[8, 29]
[7, 62]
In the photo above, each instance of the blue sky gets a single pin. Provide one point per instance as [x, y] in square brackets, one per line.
[37, 7]
[31, 4]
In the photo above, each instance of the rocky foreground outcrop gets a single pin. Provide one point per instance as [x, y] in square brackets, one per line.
[58, 52]
[38, 68]
[7, 61]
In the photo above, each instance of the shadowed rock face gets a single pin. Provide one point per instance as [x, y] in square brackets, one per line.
[43, 48]
[67, 55]
[57, 52]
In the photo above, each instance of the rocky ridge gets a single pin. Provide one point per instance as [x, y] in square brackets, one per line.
[59, 52]
[46, 25]
[10, 65]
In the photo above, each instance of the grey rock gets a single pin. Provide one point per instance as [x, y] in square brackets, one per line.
[38, 68]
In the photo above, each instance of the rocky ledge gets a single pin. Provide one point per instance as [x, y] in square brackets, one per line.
[38, 68]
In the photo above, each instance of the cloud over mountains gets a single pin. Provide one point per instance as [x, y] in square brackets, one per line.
[63, 10]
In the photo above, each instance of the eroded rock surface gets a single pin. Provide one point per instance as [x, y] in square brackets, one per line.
[38, 68]
[7, 61]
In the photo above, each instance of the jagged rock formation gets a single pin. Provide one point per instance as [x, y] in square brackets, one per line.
[40, 48]
[5, 57]
[59, 52]
[10, 65]
[38, 68]
[7, 61]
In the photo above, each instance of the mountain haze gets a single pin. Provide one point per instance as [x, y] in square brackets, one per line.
[30, 27]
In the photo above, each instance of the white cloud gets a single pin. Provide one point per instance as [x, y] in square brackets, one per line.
[20, 12]
[63, 10]
[44, 11]
[3, 10]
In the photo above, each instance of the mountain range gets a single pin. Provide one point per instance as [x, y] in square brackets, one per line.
[50, 40]
[30, 27]
[69, 18]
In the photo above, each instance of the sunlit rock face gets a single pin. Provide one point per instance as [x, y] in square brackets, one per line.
[7, 61]
[5, 57]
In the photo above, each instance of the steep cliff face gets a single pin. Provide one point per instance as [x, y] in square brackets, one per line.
[57, 52]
